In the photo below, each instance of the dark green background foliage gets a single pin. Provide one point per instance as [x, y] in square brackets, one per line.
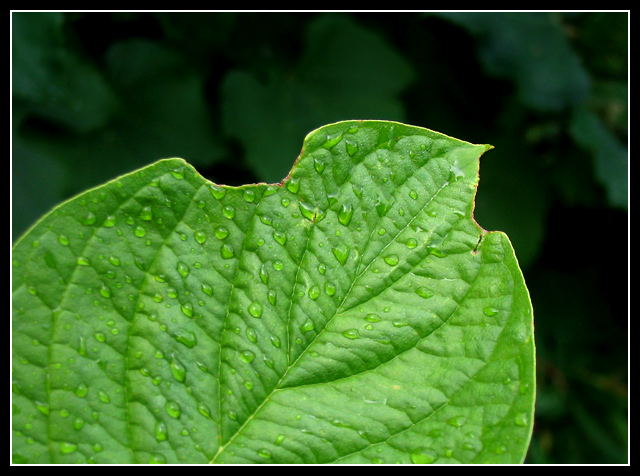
[96, 95]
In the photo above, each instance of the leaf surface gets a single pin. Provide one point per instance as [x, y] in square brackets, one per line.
[353, 313]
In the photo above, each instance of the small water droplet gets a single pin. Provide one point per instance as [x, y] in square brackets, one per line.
[308, 211]
[423, 456]
[183, 269]
[352, 147]
[203, 409]
[279, 440]
[271, 296]
[157, 459]
[341, 252]
[521, 419]
[103, 396]
[252, 335]
[330, 288]
[109, 221]
[222, 233]
[207, 289]
[63, 240]
[318, 164]
[100, 337]
[278, 265]
[228, 211]
[275, 340]
[177, 172]
[412, 243]
[332, 140]
[490, 311]
[457, 422]
[187, 309]
[139, 231]
[307, 326]
[90, 219]
[186, 338]
[285, 202]
[424, 293]
[391, 260]
[82, 390]
[249, 195]
[105, 291]
[351, 334]
[173, 409]
[82, 261]
[264, 453]
[66, 447]
[160, 431]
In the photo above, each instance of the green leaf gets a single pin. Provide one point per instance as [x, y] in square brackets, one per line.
[353, 313]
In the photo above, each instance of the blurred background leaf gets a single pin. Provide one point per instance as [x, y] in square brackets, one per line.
[95, 95]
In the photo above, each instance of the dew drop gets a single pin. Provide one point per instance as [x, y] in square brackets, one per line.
[201, 237]
[255, 309]
[247, 356]
[285, 202]
[264, 453]
[160, 431]
[249, 195]
[63, 240]
[139, 231]
[423, 456]
[314, 292]
[318, 165]
[103, 396]
[293, 185]
[82, 261]
[457, 422]
[105, 291]
[424, 293]
[183, 269]
[227, 251]
[66, 447]
[177, 369]
[330, 288]
[307, 326]
[229, 212]
[372, 318]
[308, 211]
[352, 147]
[351, 334]
[82, 390]
[521, 419]
[207, 289]
[252, 335]
[345, 214]
[222, 233]
[90, 219]
[412, 243]
[203, 409]
[413, 194]
[490, 311]
[271, 296]
[278, 265]
[146, 214]
[280, 237]
[217, 192]
[186, 337]
[341, 252]
[232, 415]
[157, 459]
[173, 409]
[332, 140]
[100, 337]
[275, 340]
[391, 260]
[279, 440]
[177, 172]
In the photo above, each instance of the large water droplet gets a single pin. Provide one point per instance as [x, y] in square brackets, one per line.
[227, 251]
[201, 237]
[228, 211]
[177, 369]
[207, 289]
[247, 356]
[255, 309]
[222, 233]
[345, 214]
[391, 260]
[332, 140]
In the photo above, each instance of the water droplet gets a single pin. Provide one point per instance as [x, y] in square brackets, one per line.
[400, 323]
[351, 334]
[186, 338]
[309, 211]
[352, 147]
[207, 289]
[78, 423]
[228, 211]
[271, 296]
[222, 233]
[66, 447]
[423, 456]
[177, 369]
[391, 260]
[110, 221]
[157, 459]
[255, 309]
[413, 194]
[160, 431]
[330, 288]
[345, 214]
[319, 164]
[146, 213]
[187, 309]
[227, 251]
[139, 231]
[100, 337]
[314, 292]
[293, 185]
[264, 453]
[177, 172]
[275, 340]
[248, 384]
[82, 390]
[280, 237]
[307, 326]
[82, 261]
[217, 192]
[490, 311]
[457, 422]
[105, 291]
[247, 356]
[372, 318]
[203, 409]
[332, 140]
[232, 415]
[412, 243]
[90, 219]
[173, 409]
[63, 240]
[424, 293]
[249, 195]
[279, 440]
[252, 335]
[285, 202]
[341, 252]
[183, 269]
[201, 237]
[103, 396]
[278, 265]
[521, 419]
